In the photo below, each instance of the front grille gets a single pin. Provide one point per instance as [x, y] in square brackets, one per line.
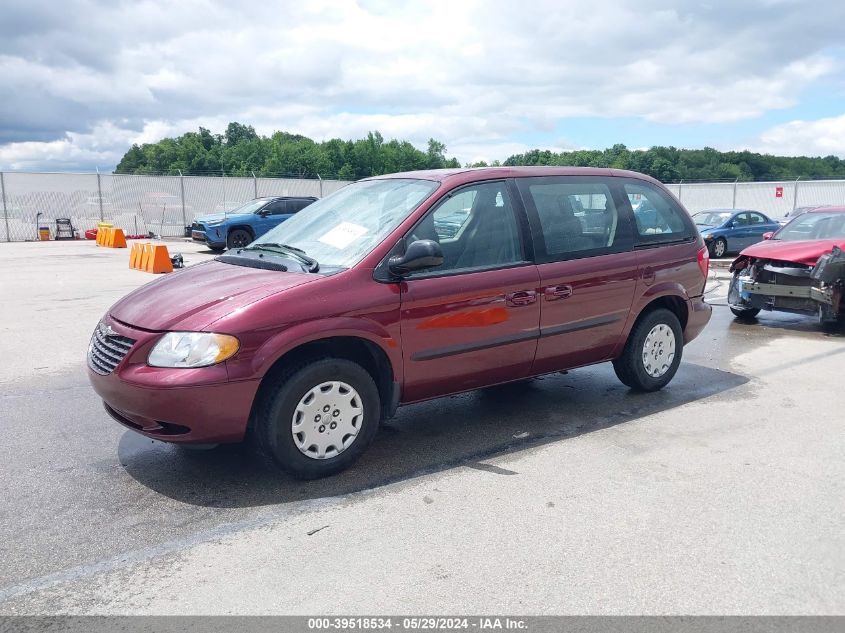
[106, 351]
[196, 226]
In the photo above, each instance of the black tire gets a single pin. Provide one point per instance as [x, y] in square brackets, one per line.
[275, 410]
[629, 366]
[829, 321]
[719, 248]
[745, 313]
[238, 238]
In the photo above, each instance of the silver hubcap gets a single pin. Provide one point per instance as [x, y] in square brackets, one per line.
[719, 249]
[659, 350]
[327, 420]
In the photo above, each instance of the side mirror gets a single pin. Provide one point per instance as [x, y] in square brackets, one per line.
[263, 213]
[419, 254]
[768, 235]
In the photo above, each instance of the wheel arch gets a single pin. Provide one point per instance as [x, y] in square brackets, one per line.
[673, 299]
[245, 227]
[358, 349]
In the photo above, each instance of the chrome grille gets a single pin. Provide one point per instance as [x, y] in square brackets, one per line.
[107, 349]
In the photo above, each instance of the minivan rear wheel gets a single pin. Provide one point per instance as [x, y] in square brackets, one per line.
[652, 353]
[316, 419]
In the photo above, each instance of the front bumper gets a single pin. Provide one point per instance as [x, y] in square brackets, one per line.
[173, 405]
[807, 298]
[214, 236]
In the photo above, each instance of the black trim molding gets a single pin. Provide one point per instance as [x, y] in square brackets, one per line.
[577, 326]
[464, 348]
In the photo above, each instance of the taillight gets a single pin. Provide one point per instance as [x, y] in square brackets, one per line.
[704, 261]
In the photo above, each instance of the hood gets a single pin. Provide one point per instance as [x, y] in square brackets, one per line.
[704, 230]
[800, 251]
[215, 217]
[193, 298]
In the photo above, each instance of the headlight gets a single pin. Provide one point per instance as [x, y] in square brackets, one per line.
[192, 349]
[214, 222]
[708, 237]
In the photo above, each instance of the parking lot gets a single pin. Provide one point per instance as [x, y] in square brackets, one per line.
[721, 494]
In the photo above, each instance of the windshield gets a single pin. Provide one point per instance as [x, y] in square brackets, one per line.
[711, 218]
[340, 229]
[249, 207]
[813, 226]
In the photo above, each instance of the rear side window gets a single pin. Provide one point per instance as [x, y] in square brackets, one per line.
[277, 207]
[577, 217]
[297, 205]
[658, 219]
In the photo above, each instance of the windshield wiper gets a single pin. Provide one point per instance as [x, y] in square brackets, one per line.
[311, 264]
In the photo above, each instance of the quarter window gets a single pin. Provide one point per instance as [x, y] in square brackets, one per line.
[657, 217]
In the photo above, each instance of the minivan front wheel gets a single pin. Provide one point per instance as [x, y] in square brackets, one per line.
[652, 353]
[318, 418]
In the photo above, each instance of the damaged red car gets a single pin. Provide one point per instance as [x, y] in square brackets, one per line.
[800, 268]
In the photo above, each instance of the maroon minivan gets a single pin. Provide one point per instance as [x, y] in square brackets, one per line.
[401, 288]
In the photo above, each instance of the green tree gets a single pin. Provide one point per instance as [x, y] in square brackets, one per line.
[241, 151]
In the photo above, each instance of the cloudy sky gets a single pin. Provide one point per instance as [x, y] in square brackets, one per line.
[83, 80]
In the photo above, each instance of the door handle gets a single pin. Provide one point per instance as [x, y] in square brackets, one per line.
[521, 298]
[557, 292]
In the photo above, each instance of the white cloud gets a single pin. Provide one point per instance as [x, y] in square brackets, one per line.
[477, 74]
[822, 137]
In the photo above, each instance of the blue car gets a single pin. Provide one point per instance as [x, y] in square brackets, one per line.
[731, 230]
[237, 228]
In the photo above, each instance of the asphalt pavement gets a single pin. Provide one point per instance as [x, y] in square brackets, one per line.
[568, 494]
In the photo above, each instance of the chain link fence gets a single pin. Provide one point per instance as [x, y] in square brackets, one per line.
[138, 204]
[775, 198]
[167, 204]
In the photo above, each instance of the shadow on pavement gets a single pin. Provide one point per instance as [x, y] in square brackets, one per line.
[786, 322]
[459, 430]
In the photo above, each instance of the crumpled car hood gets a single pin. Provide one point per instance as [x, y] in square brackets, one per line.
[800, 252]
[195, 297]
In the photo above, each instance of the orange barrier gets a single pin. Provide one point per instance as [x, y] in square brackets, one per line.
[115, 238]
[145, 255]
[111, 237]
[135, 255]
[151, 258]
[159, 260]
